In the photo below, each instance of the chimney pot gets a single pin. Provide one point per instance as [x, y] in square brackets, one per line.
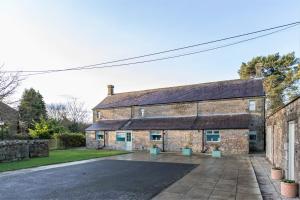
[110, 90]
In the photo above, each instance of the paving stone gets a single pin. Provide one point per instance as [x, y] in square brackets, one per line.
[248, 190]
[178, 189]
[168, 196]
[248, 197]
[218, 194]
[199, 193]
[204, 185]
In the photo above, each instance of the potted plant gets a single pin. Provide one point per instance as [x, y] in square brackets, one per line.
[289, 188]
[187, 151]
[276, 173]
[216, 153]
[154, 150]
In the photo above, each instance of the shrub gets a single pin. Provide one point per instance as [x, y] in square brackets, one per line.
[68, 140]
[45, 129]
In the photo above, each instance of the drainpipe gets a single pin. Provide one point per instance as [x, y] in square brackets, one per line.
[202, 140]
[163, 141]
[104, 138]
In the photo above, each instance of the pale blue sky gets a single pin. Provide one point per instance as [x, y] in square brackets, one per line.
[58, 34]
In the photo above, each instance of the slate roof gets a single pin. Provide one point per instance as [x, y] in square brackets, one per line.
[239, 121]
[107, 125]
[223, 122]
[198, 92]
[178, 123]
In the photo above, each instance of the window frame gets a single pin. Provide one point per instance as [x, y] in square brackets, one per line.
[142, 112]
[252, 105]
[119, 133]
[97, 134]
[212, 133]
[154, 132]
[99, 114]
[253, 133]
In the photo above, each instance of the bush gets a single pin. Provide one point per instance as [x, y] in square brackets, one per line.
[45, 129]
[68, 140]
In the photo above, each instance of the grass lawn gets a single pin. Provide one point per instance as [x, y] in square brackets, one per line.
[59, 156]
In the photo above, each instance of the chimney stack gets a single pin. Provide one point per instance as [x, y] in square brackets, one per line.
[110, 90]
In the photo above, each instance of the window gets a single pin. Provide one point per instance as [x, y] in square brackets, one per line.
[142, 112]
[120, 137]
[155, 136]
[252, 136]
[252, 106]
[212, 136]
[98, 114]
[99, 135]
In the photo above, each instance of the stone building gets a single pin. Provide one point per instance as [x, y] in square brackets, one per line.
[10, 117]
[229, 114]
[283, 139]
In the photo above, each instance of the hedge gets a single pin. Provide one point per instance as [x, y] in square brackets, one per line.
[67, 140]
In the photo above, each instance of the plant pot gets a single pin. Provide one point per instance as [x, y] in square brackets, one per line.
[186, 151]
[216, 154]
[289, 189]
[276, 174]
[154, 151]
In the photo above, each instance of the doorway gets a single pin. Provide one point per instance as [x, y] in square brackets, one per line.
[291, 151]
[128, 141]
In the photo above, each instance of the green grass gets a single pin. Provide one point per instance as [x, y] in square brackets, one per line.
[59, 156]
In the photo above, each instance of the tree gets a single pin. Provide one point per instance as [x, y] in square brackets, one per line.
[72, 114]
[32, 108]
[8, 84]
[281, 76]
[57, 111]
[45, 129]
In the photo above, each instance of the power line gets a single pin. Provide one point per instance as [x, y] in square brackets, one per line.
[165, 58]
[157, 53]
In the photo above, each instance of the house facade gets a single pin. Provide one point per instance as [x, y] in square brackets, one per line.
[283, 139]
[228, 114]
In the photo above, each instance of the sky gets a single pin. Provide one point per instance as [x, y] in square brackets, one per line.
[57, 34]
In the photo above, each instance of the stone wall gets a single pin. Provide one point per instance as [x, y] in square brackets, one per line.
[232, 141]
[113, 113]
[277, 136]
[168, 110]
[11, 150]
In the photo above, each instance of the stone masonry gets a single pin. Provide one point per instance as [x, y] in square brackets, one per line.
[232, 141]
[277, 136]
[11, 150]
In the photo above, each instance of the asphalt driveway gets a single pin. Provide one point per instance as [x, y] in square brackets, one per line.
[105, 179]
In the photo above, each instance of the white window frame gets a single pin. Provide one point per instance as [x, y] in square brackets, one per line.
[212, 133]
[142, 112]
[99, 133]
[252, 105]
[121, 133]
[98, 115]
[155, 133]
[253, 133]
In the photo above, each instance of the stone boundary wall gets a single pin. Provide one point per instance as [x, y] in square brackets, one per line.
[11, 150]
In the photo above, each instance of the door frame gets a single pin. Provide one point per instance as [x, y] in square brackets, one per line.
[126, 142]
[291, 150]
[269, 144]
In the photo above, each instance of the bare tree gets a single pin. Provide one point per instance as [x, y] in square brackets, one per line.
[76, 111]
[57, 111]
[8, 84]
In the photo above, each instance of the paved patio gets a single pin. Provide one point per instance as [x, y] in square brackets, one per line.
[230, 177]
[270, 189]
